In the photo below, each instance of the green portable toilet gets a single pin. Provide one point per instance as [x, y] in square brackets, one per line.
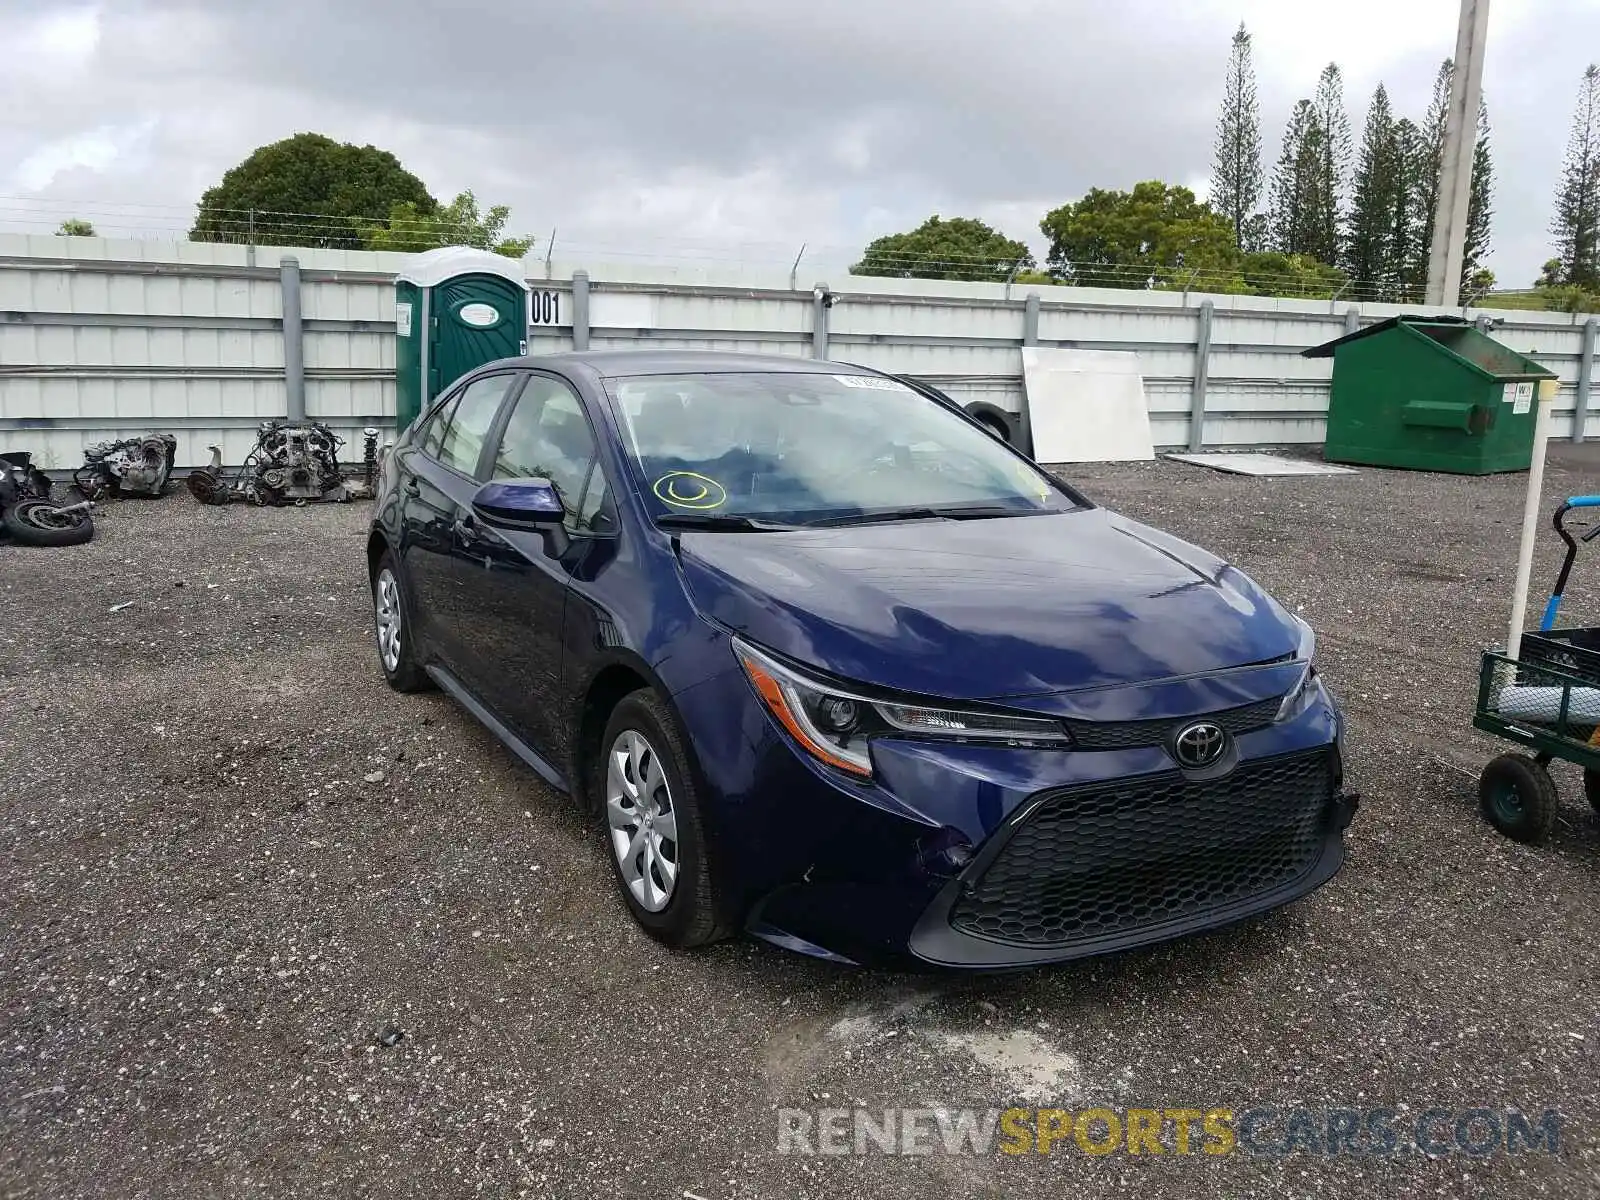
[456, 308]
[1430, 394]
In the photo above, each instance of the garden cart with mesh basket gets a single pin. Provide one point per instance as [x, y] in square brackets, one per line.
[1545, 694]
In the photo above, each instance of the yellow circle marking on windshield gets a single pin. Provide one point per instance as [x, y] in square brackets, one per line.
[686, 489]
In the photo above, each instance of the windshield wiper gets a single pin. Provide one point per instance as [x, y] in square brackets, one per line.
[952, 513]
[725, 521]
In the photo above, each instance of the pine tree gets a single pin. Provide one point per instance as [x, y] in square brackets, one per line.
[1480, 205]
[1577, 218]
[1334, 164]
[1297, 194]
[1430, 150]
[1236, 172]
[1408, 254]
[1380, 177]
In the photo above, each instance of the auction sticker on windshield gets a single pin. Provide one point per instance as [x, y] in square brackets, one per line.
[873, 382]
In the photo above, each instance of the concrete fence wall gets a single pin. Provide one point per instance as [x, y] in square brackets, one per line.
[104, 338]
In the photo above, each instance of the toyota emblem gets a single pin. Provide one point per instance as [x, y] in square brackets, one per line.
[1200, 744]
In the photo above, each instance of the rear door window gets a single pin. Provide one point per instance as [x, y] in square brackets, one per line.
[433, 431]
[461, 446]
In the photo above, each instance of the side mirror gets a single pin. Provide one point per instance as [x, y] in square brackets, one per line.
[528, 505]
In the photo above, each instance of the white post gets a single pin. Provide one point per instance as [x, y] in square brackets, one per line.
[1546, 393]
[1455, 160]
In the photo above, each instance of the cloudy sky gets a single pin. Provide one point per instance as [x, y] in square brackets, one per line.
[734, 129]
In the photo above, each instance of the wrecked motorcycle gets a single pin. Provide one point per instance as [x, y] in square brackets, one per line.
[28, 513]
[133, 466]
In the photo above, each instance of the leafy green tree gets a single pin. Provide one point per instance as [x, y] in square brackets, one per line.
[1480, 210]
[1570, 298]
[1333, 167]
[1408, 253]
[1269, 273]
[1236, 165]
[307, 190]
[458, 223]
[1298, 183]
[75, 227]
[1577, 217]
[957, 248]
[1379, 180]
[1155, 235]
[1425, 176]
[1425, 173]
[1257, 233]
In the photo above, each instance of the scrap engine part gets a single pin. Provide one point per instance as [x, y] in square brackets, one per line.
[133, 466]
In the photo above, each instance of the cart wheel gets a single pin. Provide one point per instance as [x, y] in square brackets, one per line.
[1518, 797]
[1591, 787]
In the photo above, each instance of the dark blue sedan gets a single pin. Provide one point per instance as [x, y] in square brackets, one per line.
[828, 662]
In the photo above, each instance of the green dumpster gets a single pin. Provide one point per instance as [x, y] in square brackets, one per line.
[456, 308]
[1430, 394]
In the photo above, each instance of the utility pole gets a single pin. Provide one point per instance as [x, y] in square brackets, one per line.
[1455, 163]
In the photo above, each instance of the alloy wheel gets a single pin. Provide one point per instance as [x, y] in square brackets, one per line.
[643, 821]
[386, 607]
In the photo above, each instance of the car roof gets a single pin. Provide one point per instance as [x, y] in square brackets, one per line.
[618, 364]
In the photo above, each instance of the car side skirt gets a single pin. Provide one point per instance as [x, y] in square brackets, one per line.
[457, 691]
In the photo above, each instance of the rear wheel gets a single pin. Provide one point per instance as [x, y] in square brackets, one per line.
[43, 523]
[396, 656]
[1518, 797]
[654, 830]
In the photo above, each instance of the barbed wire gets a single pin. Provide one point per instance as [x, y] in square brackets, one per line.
[286, 228]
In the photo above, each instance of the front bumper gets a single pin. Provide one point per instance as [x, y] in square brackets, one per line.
[880, 873]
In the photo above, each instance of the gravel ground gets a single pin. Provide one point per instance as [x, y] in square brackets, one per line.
[233, 859]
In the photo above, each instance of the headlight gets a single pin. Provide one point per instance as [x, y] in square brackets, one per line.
[1304, 653]
[835, 725]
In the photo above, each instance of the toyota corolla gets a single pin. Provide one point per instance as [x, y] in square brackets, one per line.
[828, 663]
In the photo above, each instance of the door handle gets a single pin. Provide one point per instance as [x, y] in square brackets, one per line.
[467, 531]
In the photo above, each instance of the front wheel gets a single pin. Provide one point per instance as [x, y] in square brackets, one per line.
[654, 827]
[1518, 797]
[37, 522]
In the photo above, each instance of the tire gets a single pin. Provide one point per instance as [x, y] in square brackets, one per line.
[694, 912]
[1591, 788]
[998, 429]
[397, 657]
[1517, 796]
[37, 522]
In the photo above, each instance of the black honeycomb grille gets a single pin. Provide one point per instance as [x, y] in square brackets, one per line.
[1111, 858]
[1125, 735]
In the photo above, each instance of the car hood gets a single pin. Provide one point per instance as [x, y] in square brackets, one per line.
[986, 609]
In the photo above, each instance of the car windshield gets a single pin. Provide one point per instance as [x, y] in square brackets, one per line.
[796, 447]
